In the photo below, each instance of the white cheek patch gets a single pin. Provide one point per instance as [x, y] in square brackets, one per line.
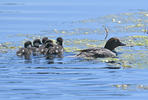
[23, 50]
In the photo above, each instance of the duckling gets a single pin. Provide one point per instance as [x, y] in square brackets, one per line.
[44, 49]
[25, 51]
[44, 39]
[50, 50]
[107, 51]
[36, 45]
[59, 46]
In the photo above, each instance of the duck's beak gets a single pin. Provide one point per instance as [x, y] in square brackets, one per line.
[122, 44]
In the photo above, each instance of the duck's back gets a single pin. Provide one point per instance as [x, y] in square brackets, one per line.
[59, 49]
[96, 53]
[25, 52]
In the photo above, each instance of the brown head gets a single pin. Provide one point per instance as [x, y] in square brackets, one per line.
[27, 44]
[49, 43]
[112, 43]
[59, 41]
[36, 43]
[44, 39]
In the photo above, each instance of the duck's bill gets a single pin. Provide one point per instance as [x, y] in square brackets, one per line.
[122, 44]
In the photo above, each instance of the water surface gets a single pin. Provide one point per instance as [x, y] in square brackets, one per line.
[80, 23]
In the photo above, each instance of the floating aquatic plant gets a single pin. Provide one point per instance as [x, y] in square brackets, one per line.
[89, 33]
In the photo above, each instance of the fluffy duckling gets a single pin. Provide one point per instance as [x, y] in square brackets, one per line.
[44, 49]
[44, 39]
[59, 46]
[35, 47]
[25, 51]
[50, 49]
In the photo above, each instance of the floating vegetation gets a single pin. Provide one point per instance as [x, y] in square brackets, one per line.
[131, 86]
[4, 47]
[131, 27]
[135, 54]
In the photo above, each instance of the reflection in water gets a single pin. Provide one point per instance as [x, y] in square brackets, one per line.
[111, 67]
[27, 61]
[54, 59]
[50, 61]
[41, 67]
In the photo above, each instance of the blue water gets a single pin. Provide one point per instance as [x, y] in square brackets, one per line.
[64, 78]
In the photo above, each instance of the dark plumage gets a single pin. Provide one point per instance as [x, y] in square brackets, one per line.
[37, 43]
[35, 47]
[44, 39]
[44, 48]
[50, 50]
[25, 51]
[55, 50]
[59, 46]
[107, 51]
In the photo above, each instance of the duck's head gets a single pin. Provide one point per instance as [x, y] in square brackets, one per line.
[59, 41]
[49, 43]
[27, 44]
[36, 43]
[44, 39]
[112, 43]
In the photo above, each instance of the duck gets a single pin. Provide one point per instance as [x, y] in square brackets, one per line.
[42, 47]
[107, 51]
[37, 43]
[49, 49]
[56, 49]
[48, 44]
[44, 39]
[59, 49]
[35, 47]
[25, 51]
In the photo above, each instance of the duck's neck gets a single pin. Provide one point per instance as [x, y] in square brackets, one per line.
[109, 46]
[27, 46]
[37, 46]
[60, 43]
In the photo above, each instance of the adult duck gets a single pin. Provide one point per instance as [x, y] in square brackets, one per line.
[107, 51]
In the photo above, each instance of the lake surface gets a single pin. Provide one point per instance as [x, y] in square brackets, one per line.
[81, 24]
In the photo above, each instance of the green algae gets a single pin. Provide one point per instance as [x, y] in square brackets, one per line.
[131, 87]
[133, 55]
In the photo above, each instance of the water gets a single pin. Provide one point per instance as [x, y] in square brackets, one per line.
[69, 78]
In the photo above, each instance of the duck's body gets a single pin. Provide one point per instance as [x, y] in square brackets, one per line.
[55, 50]
[44, 48]
[25, 51]
[59, 46]
[107, 51]
[35, 47]
[96, 52]
[49, 50]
